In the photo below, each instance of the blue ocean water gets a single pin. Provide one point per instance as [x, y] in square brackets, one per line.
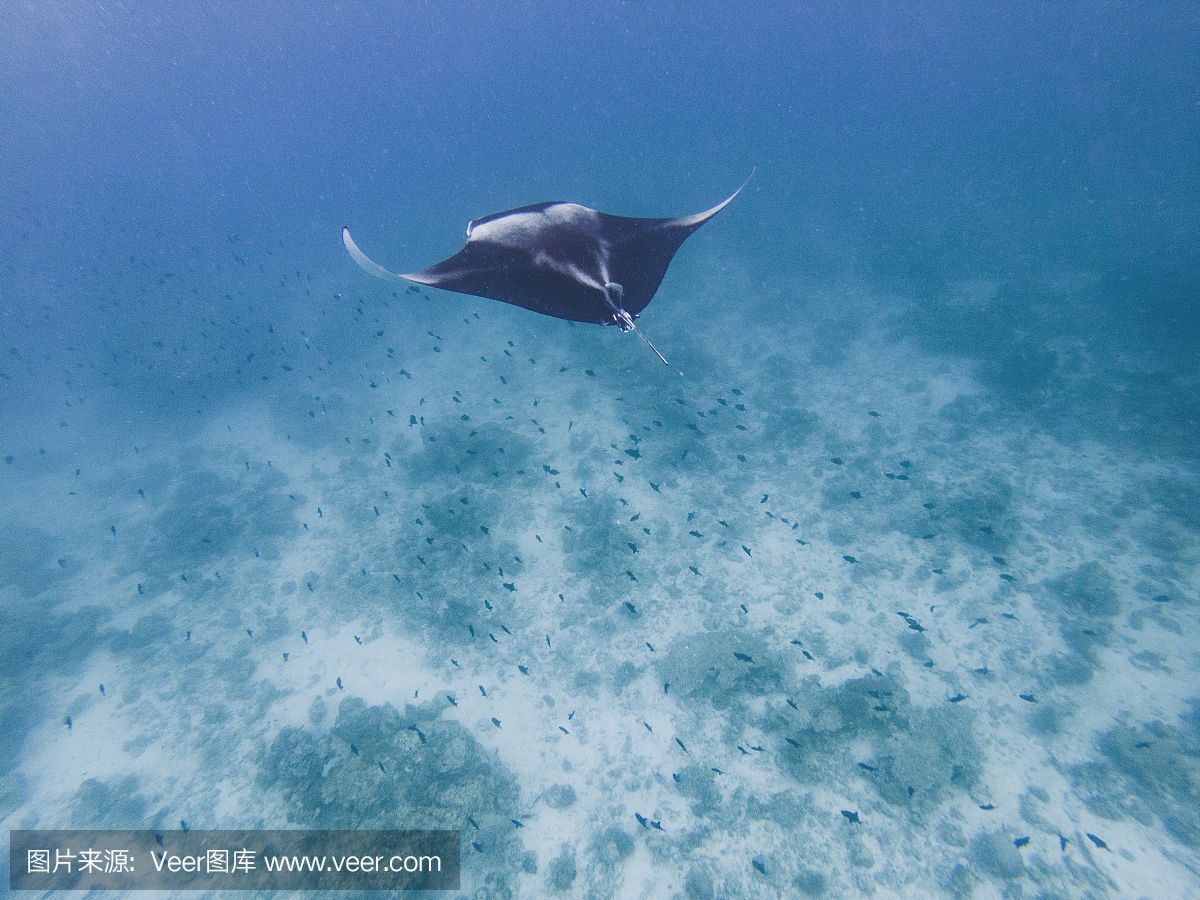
[892, 592]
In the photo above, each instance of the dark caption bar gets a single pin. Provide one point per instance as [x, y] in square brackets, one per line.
[234, 860]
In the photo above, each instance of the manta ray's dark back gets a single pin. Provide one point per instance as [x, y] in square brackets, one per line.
[560, 259]
[559, 269]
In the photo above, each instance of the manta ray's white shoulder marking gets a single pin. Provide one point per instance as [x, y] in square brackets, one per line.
[519, 229]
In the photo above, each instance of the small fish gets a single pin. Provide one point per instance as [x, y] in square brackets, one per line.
[1095, 840]
[285, 656]
[681, 746]
[743, 657]
[657, 823]
[642, 820]
[517, 822]
[353, 749]
[1028, 698]
[184, 825]
[482, 691]
[986, 807]
[303, 637]
[958, 698]
[851, 817]
[746, 550]
[495, 721]
[453, 702]
[358, 640]
[1021, 841]
[648, 727]
[650, 646]
[339, 683]
[563, 730]
[849, 559]
[758, 865]
[67, 721]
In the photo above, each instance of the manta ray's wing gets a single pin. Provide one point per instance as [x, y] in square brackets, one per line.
[640, 250]
[369, 265]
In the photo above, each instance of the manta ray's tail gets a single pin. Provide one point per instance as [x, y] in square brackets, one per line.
[650, 345]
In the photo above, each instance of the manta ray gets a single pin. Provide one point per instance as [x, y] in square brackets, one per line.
[560, 259]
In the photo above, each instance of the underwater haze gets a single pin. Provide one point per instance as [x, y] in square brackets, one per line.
[888, 586]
